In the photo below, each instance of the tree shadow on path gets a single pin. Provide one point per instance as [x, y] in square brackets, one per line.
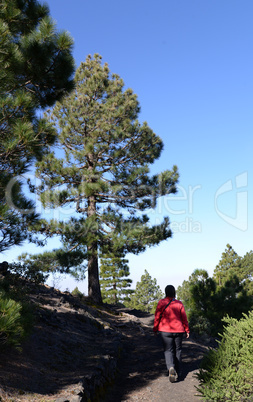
[142, 361]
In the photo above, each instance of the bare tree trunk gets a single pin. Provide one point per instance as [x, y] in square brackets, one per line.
[93, 276]
[115, 294]
[94, 291]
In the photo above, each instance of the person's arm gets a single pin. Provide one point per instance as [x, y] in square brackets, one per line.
[157, 316]
[185, 321]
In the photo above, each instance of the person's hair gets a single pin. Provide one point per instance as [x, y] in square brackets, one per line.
[170, 291]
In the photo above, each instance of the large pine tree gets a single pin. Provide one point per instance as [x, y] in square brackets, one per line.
[36, 69]
[104, 172]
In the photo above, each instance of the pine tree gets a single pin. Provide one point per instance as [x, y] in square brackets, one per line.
[247, 272]
[198, 297]
[185, 292]
[228, 266]
[77, 293]
[36, 68]
[104, 173]
[113, 273]
[146, 295]
[207, 303]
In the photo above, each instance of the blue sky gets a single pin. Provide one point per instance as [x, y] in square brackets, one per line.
[191, 64]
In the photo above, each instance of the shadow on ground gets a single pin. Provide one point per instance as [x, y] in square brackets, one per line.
[72, 340]
[142, 361]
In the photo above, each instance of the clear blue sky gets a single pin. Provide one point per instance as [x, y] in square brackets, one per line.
[191, 64]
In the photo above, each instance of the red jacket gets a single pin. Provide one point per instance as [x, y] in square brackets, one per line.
[174, 318]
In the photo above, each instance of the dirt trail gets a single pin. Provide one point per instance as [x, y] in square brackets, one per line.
[141, 375]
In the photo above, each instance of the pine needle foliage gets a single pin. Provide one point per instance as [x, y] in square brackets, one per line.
[226, 372]
[113, 273]
[246, 271]
[11, 328]
[104, 173]
[146, 295]
[207, 303]
[229, 265]
[16, 310]
[36, 69]
[37, 267]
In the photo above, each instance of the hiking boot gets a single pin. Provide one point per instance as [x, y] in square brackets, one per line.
[172, 375]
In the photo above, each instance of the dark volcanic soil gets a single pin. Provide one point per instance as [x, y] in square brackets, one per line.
[72, 339]
[141, 375]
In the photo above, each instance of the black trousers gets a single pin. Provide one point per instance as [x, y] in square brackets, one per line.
[172, 345]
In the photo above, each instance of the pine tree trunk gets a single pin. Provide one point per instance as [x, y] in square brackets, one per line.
[93, 276]
[115, 293]
[94, 290]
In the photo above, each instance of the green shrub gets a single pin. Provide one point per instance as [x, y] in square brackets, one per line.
[11, 327]
[199, 324]
[226, 372]
[77, 293]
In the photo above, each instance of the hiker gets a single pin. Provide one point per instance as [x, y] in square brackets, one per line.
[171, 322]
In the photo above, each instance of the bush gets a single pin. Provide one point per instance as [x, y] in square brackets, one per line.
[11, 327]
[77, 293]
[199, 324]
[16, 311]
[226, 372]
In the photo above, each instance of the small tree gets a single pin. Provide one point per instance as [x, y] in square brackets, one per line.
[185, 292]
[207, 303]
[146, 295]
[77, 293]
[228, 266]
[114, 271]
[197, 294]
[104, 173]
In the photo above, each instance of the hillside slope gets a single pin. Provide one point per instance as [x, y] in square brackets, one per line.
[77, 349]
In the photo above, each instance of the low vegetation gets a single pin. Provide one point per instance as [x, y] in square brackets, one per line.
[16, 317]
[226, 372]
